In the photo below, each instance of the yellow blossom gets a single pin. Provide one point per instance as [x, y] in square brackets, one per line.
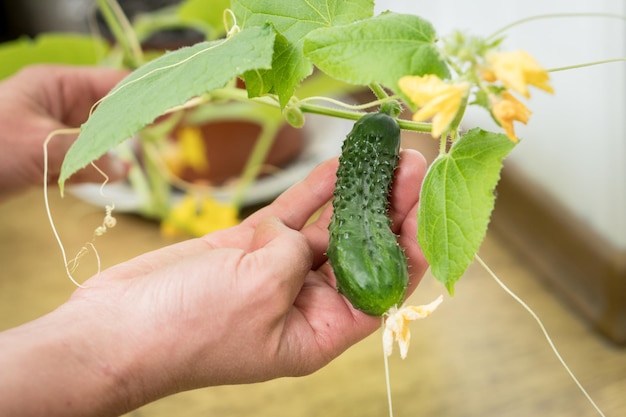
[507, 109]
[189, 151]
[397, 325]
[435, 99]
[516, 70]
[197, 216]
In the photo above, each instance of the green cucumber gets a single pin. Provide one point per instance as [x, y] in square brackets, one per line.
[370, 267]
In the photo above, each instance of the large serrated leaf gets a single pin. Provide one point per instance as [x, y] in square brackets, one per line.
[293, 20]
[164, 83]
[456, 202]
[361, 53]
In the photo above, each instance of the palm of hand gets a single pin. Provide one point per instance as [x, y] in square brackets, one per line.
[257, 301]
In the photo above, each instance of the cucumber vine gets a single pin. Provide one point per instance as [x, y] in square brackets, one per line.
[398, 56]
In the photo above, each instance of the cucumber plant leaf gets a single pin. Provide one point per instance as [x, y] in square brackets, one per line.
[293, 20]
[164, 83]
[456, 202]
[360, 53]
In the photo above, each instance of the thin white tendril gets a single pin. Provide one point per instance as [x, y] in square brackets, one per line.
[387, 378]
[109, 220]
[234, 29]
[586, 64]
[47, 203]
[76, 261]
[545, 333]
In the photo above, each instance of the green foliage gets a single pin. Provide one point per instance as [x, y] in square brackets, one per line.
[51, 48]
[456, 202]
[361, 53]
[275, 46]
[293, 20]
[164, 83]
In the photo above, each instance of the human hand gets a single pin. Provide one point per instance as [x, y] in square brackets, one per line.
[246, 304]
[37, 101]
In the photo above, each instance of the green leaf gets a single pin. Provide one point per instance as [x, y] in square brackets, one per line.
[293, 20]
[50, 48]
[380, 49]
[164, 83]
[456, 202]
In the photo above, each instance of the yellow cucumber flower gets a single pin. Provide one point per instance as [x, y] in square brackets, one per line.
[198, 216]
[507, 109]
[189, 151]
[435, 99]
[397, 325]
[516, 70]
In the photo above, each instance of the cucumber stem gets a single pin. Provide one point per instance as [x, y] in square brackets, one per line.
[393, 108]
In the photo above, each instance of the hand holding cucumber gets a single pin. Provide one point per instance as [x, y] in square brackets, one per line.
[246, 304]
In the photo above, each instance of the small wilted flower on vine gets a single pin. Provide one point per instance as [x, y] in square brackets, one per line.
[435, 98]
[507, 109]
[516, 70]
[397, 325]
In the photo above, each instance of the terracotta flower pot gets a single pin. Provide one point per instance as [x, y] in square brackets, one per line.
[229, 144]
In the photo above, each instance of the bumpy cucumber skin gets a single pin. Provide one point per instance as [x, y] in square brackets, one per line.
[370, 267]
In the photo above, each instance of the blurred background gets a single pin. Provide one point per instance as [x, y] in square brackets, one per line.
[30, 17]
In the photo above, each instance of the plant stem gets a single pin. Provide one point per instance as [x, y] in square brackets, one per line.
[160, 190]
[122, 31]
[352, 115]
[378, 91]
[136, 175]
[255, 161]
[415, 126]
[239, 94]
[443, 142]
[328, 111]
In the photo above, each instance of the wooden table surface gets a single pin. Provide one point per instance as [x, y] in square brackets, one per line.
[480, 354]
